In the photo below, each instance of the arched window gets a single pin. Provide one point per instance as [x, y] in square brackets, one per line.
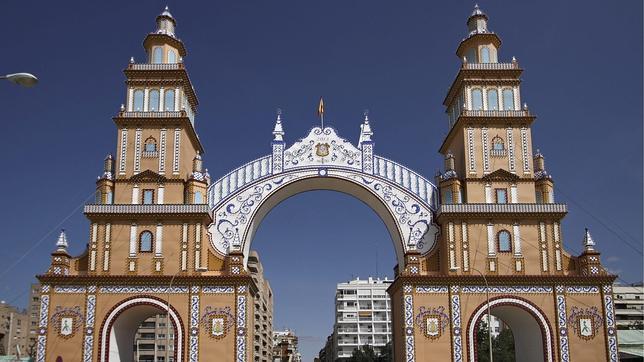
[492, 99]
[138, 100]
[154, 100]
[504, 241]
[168, 101]
[172, 56]
[198, 198]
[477, 99]
[157, 55]
[497, 144]
[485, 55]
[150, 145]
[508, 99]
[145, 242]
[471, 56]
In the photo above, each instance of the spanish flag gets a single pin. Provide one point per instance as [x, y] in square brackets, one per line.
[321, 108]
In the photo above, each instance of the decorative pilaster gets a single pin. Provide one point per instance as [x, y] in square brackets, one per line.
[240, 347]
[408, 305]
[455, 311]
[609, 313]
[465, 247]
[90, 316]
[194, 324]
[562, 330]
[162, 148]
[106, 246]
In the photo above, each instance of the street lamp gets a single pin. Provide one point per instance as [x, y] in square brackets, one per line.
[489, 324]
[23, 79]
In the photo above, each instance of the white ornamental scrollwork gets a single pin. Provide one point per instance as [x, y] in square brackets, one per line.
[323, 147]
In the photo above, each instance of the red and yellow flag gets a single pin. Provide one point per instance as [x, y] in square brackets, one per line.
[321, 108]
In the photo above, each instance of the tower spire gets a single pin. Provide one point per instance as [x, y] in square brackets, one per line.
[278, 130]
[365, 130]
[589, 243]
[61, 243]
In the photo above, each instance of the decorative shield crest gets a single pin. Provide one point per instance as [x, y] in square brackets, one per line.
[218, 325]
[586, 327]
[322, 149]
[217, 321]
[433, 326]
[67, 321]
[66, 326]
[585, 322]
[432, 321]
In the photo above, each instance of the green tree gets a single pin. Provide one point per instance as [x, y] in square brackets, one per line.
[502, 345]
[363, 354]
[386, 354]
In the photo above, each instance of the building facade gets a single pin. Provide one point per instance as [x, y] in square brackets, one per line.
[263, 318]
[33, 311]
[285, 346]
[14, 331]
[362, 316]
[163, 238]
[629, 317]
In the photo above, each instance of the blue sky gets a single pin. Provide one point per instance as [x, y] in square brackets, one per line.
[583, 79]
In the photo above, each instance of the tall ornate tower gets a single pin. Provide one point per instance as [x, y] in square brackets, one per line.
[148, 251]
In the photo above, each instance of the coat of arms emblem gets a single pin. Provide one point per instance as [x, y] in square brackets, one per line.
[218, 326]
[66, 326]
[322, 149]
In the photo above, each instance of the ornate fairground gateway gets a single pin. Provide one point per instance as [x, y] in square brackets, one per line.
[165, 239]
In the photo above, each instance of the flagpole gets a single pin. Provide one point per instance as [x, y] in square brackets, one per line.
[322, 120]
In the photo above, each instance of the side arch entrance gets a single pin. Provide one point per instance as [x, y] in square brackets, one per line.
[120, 325]
[533, 340]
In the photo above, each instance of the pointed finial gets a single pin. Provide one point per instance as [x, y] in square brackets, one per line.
[525, 106]
[131, 60]
[278, 130]
[122, 107]
[61, 244]
[514, 59]
[365, 130]
[366, 115]
[589, 243]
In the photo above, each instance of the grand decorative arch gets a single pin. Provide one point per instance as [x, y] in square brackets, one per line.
[403, 199]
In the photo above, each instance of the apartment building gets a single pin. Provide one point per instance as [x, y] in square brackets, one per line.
[33, 310]
[285, 347]
[154, 340]
[14, 330]
[362, 316]
[263, 341]
[629, 317]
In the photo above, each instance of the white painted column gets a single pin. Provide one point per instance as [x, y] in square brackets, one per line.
[106, 252]
[146, 97]
[123, 154]
[176, 99]
[491, 249]
[162, 148]
[197, 246]
[488, 194]
[517, 239]
[130, 99]
[452, 246]
[160, 194]
[133, 237]
[161, 99]
[92, 253]
[466, 247]
[184, 247]
[158, 246]
[135, 194]
[137, 150]
[514, 195]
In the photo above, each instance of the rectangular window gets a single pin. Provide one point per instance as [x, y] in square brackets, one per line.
[501, 196]
[148, 197]
[447, 197]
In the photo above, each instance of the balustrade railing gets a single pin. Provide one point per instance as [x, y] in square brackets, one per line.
[155, 66]
[490, 66]
[503, 208]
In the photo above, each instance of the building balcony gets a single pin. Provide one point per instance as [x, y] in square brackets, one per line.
[490, 66]
[155, 66]
[153, 114]
[112, 209]
[496, 113]
[502, 209]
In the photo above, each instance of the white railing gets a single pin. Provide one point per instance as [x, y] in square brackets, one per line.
[494, 113]
[239, 177]
[406, 178]
[146, 209]
[153, 114]
[155, 66]
[503, 208]
[490, 66]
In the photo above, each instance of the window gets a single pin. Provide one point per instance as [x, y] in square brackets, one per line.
[138, 100]
[145, 242]
[492, 99]
[150, 145]
[508, 99]
[497, 144]
[198, 198]
[447, 197]
[148, 197]
[157, 55]
[539, 197]
[477, 99]
[501, 196]
[485, 55]
[172, 56]
[504, 241]
[471, 56]
[168, 100]
[154, 100]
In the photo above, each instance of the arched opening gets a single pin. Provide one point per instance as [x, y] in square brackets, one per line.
[120, 331]
[529, 330]
[307, 245]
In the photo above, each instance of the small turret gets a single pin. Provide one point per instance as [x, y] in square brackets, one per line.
[365, 130]
[278, 130]
[589, 243]
[589, 263]
[481, 45]
[544, 186]
[166, 23]
[477, 22]
[61, 243]
[197, 163]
